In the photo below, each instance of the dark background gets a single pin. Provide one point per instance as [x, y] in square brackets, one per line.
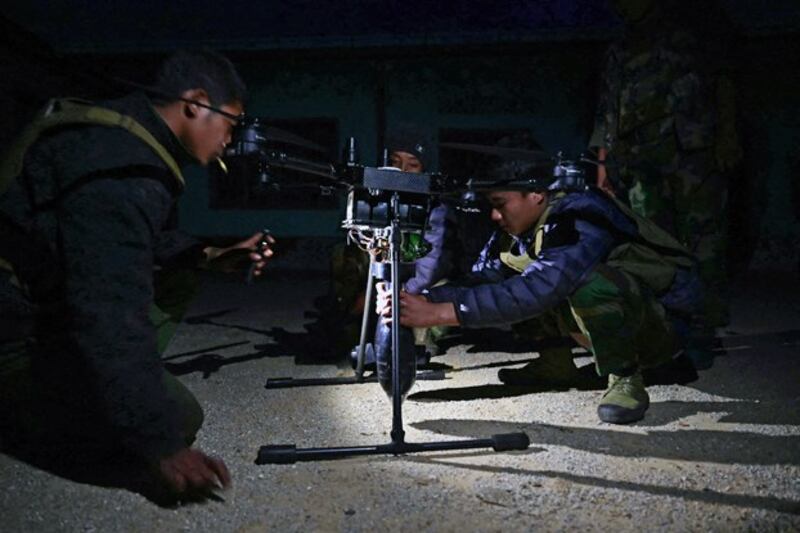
[464, 70]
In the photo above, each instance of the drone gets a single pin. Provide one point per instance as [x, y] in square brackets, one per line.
[385, 206]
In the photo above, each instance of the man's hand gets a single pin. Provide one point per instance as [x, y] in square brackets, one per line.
[230, 259]
[190, 469]
[415, 311]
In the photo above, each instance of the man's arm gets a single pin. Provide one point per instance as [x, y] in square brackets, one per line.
[555, 274]
[108, 229]
[256, 248]
[177, 249]
[415, 311]
[597, 139]
[486, 269]
[438, 262]
[174, 248]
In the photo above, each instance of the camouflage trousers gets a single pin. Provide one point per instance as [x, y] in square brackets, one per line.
[684, 194]
[349, 271]
[613, 317]
[174, 291]
[428, 337]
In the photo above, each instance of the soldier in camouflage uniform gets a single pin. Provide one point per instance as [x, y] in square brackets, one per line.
[664, 125]
[571, 264]
[409, 150]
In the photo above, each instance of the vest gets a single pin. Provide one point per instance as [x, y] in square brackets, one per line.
[66, 112]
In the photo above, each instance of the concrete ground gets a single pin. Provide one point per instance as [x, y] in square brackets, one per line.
[721, 453]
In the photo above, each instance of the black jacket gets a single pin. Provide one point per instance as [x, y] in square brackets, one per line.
[94, 210]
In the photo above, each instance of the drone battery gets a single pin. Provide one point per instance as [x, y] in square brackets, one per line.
[365, 209]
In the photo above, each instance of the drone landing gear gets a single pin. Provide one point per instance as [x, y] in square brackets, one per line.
[401, 368]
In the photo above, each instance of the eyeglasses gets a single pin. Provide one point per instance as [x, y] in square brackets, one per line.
[235, 118]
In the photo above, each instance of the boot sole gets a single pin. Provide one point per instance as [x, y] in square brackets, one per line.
[614, 414]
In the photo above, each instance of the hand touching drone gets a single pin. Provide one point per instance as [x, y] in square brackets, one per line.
[415, 311]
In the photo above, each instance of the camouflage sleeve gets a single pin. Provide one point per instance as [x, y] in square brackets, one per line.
[598, 136]
[108, 229]
[691, 93]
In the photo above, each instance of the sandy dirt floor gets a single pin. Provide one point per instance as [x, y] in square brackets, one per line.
[721, 453]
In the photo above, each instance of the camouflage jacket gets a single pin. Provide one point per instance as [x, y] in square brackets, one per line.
[655, 98]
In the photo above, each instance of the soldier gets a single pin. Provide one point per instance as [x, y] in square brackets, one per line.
[665, 122]
[583, 264]
[89, 194]
[409, 151]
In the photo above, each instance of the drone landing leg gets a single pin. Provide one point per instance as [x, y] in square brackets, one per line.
[287, 454]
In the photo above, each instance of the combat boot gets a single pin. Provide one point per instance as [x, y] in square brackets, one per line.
[552, 367]
[625, 399]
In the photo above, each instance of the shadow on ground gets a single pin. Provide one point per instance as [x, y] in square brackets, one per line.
[307, 348]
[704, 495]
[494, 391]
[699, 445]
[711, 446]
[679, 371]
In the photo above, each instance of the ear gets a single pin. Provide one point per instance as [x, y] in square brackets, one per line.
[536, 197]
[199, 95]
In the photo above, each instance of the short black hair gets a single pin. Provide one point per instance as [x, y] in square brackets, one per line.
[529, 171]
[199, 69]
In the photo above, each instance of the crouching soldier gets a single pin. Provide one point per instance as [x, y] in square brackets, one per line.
[86, 204]
[409, 151]
[571, 261]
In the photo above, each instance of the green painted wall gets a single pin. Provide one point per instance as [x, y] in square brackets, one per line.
[549, 91]
[549, 88]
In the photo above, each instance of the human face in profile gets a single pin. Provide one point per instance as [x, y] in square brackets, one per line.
[209, 128]
[516, 212]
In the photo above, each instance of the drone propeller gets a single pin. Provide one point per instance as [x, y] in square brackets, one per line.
[262, 133]
[534, 156]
